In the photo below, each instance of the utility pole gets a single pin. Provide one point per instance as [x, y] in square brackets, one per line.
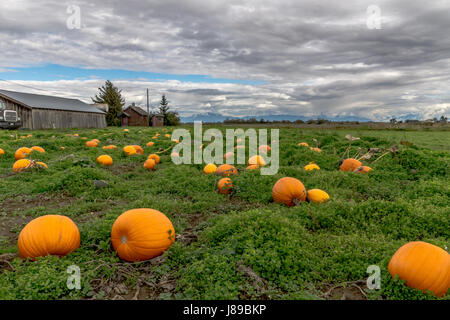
[148, 110]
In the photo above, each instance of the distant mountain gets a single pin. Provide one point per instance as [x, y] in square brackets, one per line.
[206, 117]
[217, 117]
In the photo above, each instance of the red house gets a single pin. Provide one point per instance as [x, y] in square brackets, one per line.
[136, 116]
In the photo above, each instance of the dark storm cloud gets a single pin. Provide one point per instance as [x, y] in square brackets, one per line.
[314, 56]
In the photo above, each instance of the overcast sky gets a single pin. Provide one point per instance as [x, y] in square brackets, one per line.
[236, 57]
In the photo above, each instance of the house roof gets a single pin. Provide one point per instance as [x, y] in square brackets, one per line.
[138, 110]
[123, 113]
[49, 102]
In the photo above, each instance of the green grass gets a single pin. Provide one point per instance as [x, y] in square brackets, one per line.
[241, 246]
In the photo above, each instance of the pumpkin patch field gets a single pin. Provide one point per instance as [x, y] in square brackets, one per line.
[111, 205]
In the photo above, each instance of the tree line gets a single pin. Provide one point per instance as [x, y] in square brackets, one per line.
[112, 96]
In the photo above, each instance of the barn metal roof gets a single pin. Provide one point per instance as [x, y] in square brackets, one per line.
[49, 102]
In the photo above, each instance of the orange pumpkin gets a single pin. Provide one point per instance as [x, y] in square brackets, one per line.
[264, 149]
[139, 149]
[423, 266]
[225, 185]
[38, 149]
[96, 140]
[150, 144]
[350, 164]
[315, 149]
[289, 191]
[91, 144]
[48, 235]
[362, 169]
[149, 164]
[226, 170]
[109, 147]
[154, 157]
[312, 166]
[317, 196]
[256, 160]
[129, 150]
[142, 234]
[21, 164]
[105, 160]
[303, 144]
[21, 153]
[210, 168]
[2, 152]
[252, 167]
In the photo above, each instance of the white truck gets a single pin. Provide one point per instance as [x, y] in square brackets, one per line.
[9, 119]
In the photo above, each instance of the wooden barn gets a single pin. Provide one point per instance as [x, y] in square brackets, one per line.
[136, 116]
[49, 112]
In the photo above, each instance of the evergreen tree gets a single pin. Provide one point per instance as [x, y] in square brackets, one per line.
[164, 107]
[112, 96]
[171, 118]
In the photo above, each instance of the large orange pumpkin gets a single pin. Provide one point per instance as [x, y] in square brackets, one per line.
[154, 157]
[129, 150]
[226, 170]
[91, 144]
[21, 164]
[258, 160]
[142, 234]
[50, 234]
[105, 160]
[424, 267]
[210, 168]
[38, 149]
[289, 191]
[149, 164]
[350, 164]
[21, 153]
[139, 149]
[317, 196]
[225, 185]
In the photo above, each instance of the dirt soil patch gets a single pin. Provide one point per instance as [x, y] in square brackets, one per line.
[48, 200]
[354, 290]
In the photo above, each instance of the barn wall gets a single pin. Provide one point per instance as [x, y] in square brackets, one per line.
[59, 119]
[136, 119]
[24, 113]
